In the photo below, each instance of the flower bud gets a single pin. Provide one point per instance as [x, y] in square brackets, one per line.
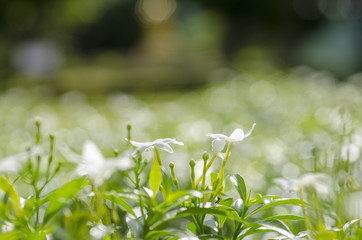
[37, 121]
[205, 156]
[192, 163]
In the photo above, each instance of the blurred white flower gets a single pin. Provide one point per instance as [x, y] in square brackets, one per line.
[7, 227]
[220, 140]
[13, 163]
[162, 144]
[190, 238]
[350, 152]
[96, 167]
[99, 231]
[319, 182]
[218, 145]
[310, 182]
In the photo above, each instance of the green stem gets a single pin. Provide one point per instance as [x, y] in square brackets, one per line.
[204, 175]
[138, 172]
[192, 165]
[207, 168]
[227, 154]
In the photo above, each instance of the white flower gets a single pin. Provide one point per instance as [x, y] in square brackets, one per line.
[13, 163]
[96, 167]
[99, 231]
[162, 144]
[220, 140]
[318, 182]
[7, 227]
[350, 152]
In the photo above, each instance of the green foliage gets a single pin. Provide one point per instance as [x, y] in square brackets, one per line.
[153, 209]
[233, 192]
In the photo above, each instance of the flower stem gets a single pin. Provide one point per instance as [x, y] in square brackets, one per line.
[207, 168]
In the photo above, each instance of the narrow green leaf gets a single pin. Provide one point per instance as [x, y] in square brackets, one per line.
[158, 234]
[166, 184]
[6, 186]
[286, 217]
[155, 176]
[276, 226]
[161, 218]
[13, 235]
[274, 203]
[251, 228]
[240, 186]
[221, 211]
[213, 177]
[210, 236]
[59, 197]
[348, 224]
[176, 198]
[117, 200]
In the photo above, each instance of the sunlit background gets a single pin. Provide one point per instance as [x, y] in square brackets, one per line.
[90, 67]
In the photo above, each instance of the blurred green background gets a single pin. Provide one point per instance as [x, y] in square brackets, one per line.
[90, 67]
[99, 46]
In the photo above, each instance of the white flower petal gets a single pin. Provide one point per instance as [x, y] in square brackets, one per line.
[91, 154]
[218, 145]
[350, 152]
[12, 164]
[170, 140]
[121, 163]
[145, 148]
[97, 168]
[237, 135]
[136, 144]
[164, 146]
[250, 131]
[217, 136]
[69, 154]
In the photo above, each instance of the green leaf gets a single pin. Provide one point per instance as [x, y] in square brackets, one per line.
[176, 198]
[238, 206]
[158, 234]
[167, 184]
[219, 210]
[210, 236]
[6, 186]
[59, 197]
[192, 227]
[13, 235]
[274, 203]
[276, 226]
[240, 186]
[226, 202]
[160, 218]
[348, 224]
[117, 200]
[155, 176]
[286, 217]
[213, 177]
[248, 230]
